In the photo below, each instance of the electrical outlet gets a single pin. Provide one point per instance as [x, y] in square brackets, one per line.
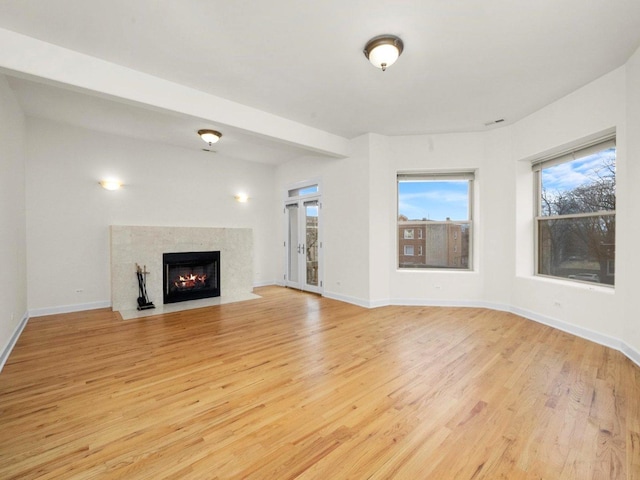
[79, 290]
[557, 304]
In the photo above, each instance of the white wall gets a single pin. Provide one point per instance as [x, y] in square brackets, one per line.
[344, 216]
[629, 275]
[69, 213]
[454, 151]
[382, 218]
[594, 108]
[362, 190]
[498, 214]
[13, 286]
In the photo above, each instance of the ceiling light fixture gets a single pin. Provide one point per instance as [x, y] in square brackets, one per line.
[242, 197]
[209, 136]
[383, 50]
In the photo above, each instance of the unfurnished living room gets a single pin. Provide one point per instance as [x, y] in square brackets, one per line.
[319, 240]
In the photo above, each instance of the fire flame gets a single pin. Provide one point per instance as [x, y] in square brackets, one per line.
[190, 281]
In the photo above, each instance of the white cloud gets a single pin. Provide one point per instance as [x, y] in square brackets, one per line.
[569, 175]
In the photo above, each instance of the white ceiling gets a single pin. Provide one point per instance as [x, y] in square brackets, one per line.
[106, 115]
[465, 62]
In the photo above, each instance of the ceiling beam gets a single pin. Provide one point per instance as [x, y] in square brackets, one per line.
[28, 57]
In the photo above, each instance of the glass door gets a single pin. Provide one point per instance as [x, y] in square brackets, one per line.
[303, 245]
[310, 247]
[293, 246]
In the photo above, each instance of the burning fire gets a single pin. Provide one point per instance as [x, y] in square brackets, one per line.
[190, 281]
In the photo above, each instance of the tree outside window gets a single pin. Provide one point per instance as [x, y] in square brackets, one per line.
[576, 215]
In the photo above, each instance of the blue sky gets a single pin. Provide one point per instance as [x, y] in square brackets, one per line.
[434, 200]
[570, 175]
[437, 200]
[312, 211]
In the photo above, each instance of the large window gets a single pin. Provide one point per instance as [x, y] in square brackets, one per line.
[576, 214]
[438, 207]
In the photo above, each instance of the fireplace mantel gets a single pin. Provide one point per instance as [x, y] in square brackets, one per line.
[131, 245]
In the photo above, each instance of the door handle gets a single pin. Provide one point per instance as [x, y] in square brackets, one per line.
[298, 248]
[303, 248]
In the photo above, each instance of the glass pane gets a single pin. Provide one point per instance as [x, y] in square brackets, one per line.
[292, 243]
[311, 189]
[437, 245]
[433, 223]
[578, 248]
[433, 200]
[311, 239]
[584, 185]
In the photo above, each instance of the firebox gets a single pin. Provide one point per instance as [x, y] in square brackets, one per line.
[190, 276]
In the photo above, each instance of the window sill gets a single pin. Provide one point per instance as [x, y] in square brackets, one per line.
[438, 270]
[582, 285]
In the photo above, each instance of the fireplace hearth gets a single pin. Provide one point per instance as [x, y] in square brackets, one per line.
[190, 276]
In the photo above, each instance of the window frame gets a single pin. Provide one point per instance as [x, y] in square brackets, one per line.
[579, 150]
[468, 175]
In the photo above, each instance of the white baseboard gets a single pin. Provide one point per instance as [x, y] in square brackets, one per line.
[599, 338]
[6, 351]
[591, 335]
[40, 312]
[263, 284]
[631, 353]
[412, 302]
[581, 332]
[347, 299]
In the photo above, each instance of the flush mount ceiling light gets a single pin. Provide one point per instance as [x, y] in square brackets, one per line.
[383, 50]
[111, 184]
[209, 136]
[242, 198]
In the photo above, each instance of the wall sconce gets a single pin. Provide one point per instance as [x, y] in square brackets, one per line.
[242, 198]
[111, 184]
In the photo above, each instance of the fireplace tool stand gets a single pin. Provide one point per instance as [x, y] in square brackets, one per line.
[143, 299]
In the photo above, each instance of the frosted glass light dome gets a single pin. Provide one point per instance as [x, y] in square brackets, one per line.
[383, 51]
[209, 136]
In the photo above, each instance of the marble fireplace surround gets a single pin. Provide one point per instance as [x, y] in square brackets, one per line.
[145, 246]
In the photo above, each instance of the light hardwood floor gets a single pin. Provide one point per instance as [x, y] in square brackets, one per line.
[297, 386]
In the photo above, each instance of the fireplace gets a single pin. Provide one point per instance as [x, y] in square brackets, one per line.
[190, 276]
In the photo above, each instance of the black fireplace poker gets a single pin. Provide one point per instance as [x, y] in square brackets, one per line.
[143, 299]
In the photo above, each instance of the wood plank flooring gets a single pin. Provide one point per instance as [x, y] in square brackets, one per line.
[297, 386]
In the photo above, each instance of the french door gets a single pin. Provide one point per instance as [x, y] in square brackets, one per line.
[303, 245]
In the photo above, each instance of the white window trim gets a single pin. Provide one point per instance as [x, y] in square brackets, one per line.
[435, 175]
[589, 146]
[302, 185]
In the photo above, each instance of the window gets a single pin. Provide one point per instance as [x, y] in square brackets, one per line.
[408, 250]
[301, 192]
[408, 233]
[576, 213]
[439, 207]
